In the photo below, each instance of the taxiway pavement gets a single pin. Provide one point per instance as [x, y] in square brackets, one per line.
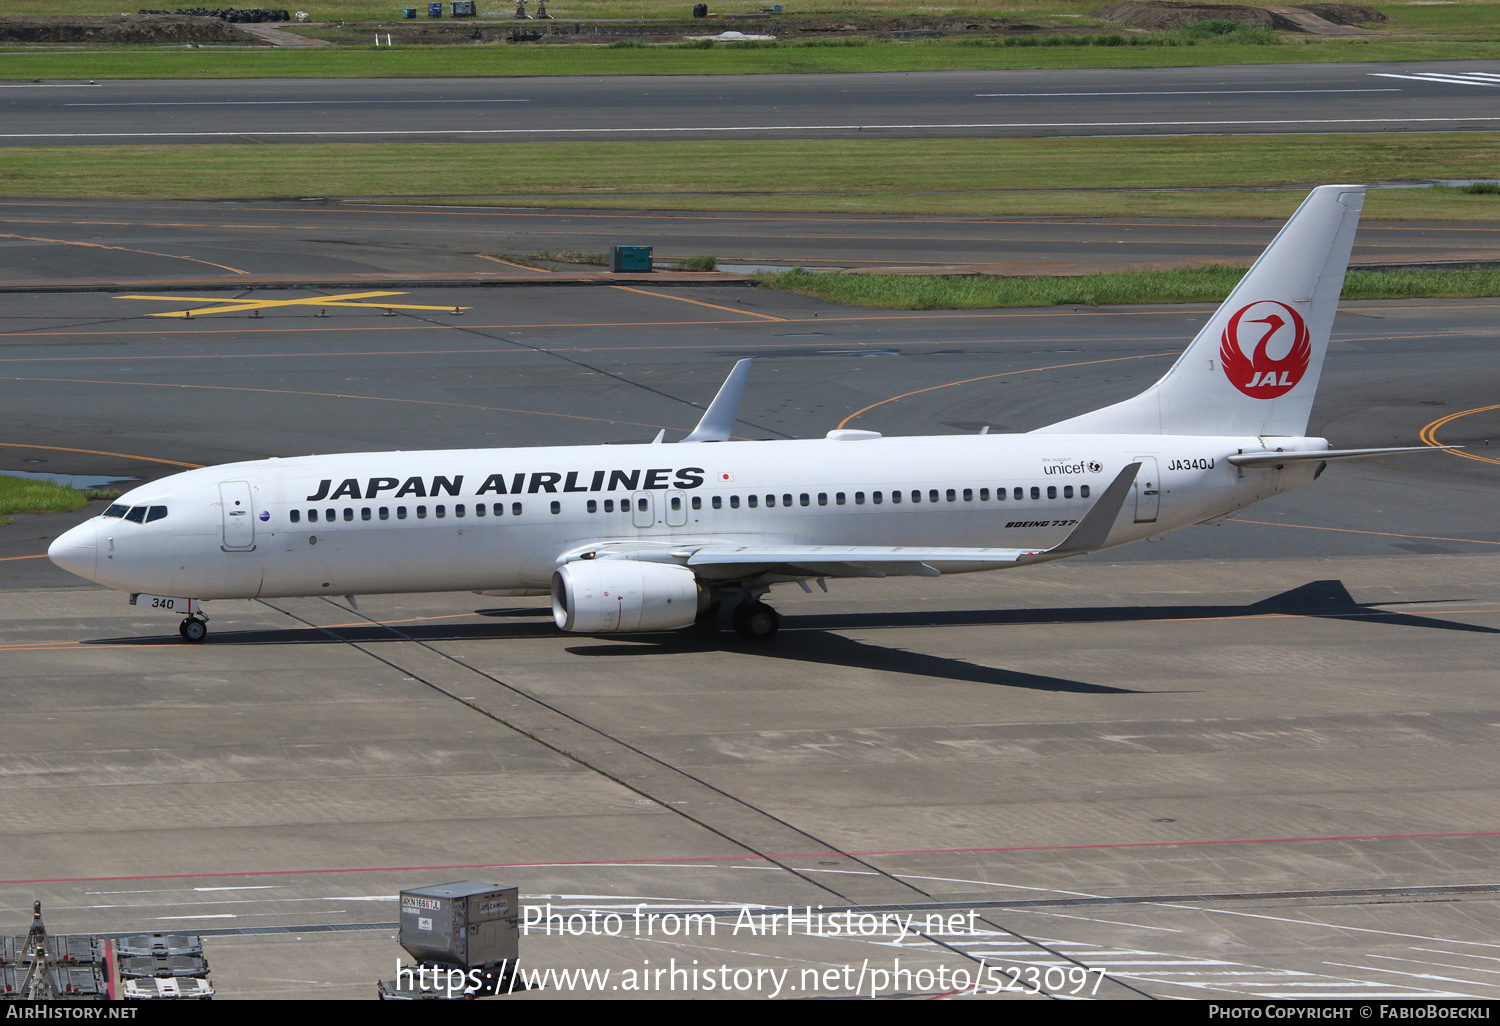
[83, 243]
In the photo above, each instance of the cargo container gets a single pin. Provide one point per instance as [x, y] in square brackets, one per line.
[465, 924]
[143, 966]
[149, 944]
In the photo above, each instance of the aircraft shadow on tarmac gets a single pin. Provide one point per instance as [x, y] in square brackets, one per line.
[1323, 599]
[810, 638]
[813, 638]
[822, 646]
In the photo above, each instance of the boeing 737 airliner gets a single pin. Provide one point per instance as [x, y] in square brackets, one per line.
[651, 537]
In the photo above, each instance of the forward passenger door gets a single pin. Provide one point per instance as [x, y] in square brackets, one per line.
[238, 515]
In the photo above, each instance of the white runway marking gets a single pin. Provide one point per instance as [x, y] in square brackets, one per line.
[1408, 975]
[221, 915]
[1088, 919]
[1336, 995]
[1324, 926]
[1459, 954]
[661, 130]
[1441, 965]
[1474, 78]
[1198, 975]
[285, 103]
[1162, 92]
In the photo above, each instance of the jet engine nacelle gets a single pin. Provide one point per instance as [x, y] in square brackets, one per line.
[602, 596]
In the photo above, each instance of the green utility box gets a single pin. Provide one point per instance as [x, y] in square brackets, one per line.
[630, 258]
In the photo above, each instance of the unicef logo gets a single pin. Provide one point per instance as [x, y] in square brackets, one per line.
[1095, 466]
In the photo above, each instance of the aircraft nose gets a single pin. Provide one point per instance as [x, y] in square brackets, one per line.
[77, 550]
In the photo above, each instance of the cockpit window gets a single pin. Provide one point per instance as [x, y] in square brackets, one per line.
[136, 515]
[117, 510]
[155, 513]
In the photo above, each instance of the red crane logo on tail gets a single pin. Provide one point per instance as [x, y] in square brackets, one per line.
[1246, 349]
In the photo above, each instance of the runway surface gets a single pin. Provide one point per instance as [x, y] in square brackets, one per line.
[1433, 96]
[75, 243]
[1246, 761]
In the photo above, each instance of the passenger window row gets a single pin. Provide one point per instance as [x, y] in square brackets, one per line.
[786, 499]
[609, 505]
[331, 515]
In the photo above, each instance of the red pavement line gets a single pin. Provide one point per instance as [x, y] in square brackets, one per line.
[748, 858]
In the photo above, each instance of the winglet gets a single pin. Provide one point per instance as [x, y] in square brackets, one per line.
[718, 420]
[1093, 530]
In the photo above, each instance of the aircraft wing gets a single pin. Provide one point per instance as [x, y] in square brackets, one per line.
[843, 561]
[911, 561]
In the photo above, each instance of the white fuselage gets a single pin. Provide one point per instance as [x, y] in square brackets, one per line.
[504, 519]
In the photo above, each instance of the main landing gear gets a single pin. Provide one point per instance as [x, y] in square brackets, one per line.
[193, 629]
[756, 621]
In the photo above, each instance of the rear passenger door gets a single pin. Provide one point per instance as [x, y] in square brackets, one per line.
[1147, 491]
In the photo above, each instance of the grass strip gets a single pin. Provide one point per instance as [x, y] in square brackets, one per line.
[327, 11]
[692, 170]
[23, 495]
[732, 59]
[1403, 15]
[571, 256]
[1208, 284]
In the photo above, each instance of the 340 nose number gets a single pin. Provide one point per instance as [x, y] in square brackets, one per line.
[165, 603]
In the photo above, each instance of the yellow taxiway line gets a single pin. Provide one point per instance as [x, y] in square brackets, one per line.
[241, 305]
[1429, 433]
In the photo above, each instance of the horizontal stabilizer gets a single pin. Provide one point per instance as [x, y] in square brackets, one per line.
[1271, 458]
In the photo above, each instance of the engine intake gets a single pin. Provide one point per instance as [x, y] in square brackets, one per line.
[605, 596]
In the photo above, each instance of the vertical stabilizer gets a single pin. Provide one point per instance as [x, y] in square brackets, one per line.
[1253, 369]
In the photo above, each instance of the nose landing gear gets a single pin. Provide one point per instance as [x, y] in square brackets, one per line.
[193, 629]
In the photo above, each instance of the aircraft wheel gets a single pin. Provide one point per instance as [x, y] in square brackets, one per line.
[193, 629]
[756, 622]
